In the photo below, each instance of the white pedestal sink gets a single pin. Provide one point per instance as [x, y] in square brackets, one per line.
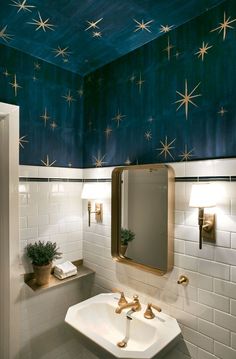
[96, 319]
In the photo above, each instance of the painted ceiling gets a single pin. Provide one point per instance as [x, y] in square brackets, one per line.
[81, 36]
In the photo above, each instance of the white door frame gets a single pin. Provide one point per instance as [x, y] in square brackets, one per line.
[9, 231]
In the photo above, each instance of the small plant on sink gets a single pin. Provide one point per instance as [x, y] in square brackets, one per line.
[41, 255]
[126, 236]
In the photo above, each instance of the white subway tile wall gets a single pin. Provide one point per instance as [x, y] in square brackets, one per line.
[206, 308]
[51, 211]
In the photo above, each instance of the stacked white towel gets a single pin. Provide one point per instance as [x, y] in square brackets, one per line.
[65, 270]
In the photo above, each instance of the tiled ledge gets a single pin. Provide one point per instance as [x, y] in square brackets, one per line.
[54, 282]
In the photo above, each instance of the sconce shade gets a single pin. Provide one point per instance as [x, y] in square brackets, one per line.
[202, 195]
[96, 190]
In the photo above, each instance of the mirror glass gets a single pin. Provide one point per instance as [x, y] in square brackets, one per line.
[142, 216]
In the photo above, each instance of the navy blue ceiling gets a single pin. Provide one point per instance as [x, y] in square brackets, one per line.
[82, 36]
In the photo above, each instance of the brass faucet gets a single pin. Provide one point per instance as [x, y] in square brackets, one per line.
[149, 313]
[135, 304]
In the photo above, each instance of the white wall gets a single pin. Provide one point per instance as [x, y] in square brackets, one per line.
[206, 309]
[50, 211]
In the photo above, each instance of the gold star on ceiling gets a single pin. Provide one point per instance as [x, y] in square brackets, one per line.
[224, 26]
[187, 98]
[22, 6]
[186, 155]
[148, 135]
[47, 162]
[37, 66]
[99, 161]
[168, 48]
[222, 111]
[61, 52]
[139, 83]
[203, 50]
[6, 73]
[80, 92]
[128, 162]
[177, 54]
[69, 98]
[22, 140]
[3, 35]
[97, 34]
[143, 25]
[108, 131]
[132, 77]
[166, 148]
[53, 125]
[166, 28]
[42, 24]
[118, 118]
[45, 117]
[93, 24]
[15, 85]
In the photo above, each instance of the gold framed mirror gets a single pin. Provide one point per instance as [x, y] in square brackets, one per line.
[143, 216]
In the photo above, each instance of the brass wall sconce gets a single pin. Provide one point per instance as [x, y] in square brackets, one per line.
[202, 196]
[96, 191]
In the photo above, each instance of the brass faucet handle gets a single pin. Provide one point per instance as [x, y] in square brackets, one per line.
[149, 313]
[122, 299]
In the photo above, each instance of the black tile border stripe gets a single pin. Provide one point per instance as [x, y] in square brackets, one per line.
[206, 179]
[92, 180]
[76, 180]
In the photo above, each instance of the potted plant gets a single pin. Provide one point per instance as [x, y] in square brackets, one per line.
[126, 236]
[41, 255]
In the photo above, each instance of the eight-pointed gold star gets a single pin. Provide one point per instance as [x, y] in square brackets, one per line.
[166, 148]
[224, 26]
[80, 92]
[3, 35]
[22, 140]
[47, 162]
[166, 28]
[139, 83]
[222, 111]
[128, 162]
[6, 73]
[118, 117]
[69, 98]
[93, 24]
[203, 50]
[61, 52]
[37, 66]
[186, 155]
[45, 117]
[187, 98]
[41, 24]
[143, 26]
[15, 85]
[99, 160]
[168, 48]
[22, 6]
[148, 135]
[97, 34]
[108, 131]
[53, 125]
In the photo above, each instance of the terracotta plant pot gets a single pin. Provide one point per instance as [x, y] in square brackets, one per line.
[42, 273]
[123, 249]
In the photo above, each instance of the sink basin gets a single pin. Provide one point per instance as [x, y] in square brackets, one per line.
[96, 319]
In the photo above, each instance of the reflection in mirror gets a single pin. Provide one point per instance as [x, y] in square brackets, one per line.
[142, 216]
